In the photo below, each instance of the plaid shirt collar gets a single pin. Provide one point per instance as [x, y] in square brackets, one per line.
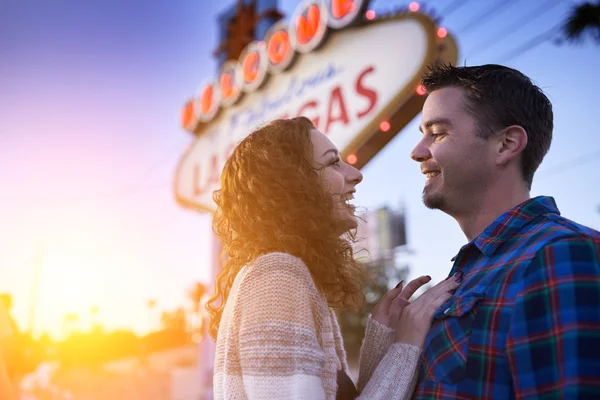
[510, 223]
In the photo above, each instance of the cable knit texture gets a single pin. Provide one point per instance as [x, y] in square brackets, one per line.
[278, 339]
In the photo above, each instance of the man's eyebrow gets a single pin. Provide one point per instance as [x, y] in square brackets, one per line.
[440, 121]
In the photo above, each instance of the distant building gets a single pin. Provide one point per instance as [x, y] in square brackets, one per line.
[382, 246]
[382, 243]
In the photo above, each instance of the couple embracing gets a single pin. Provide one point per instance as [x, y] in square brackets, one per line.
[517, 317]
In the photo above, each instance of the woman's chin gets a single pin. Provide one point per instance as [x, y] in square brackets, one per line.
[350, 223]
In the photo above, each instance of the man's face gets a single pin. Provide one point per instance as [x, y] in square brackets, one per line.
[458, 164]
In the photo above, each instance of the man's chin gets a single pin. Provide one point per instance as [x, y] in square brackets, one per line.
[432, 201]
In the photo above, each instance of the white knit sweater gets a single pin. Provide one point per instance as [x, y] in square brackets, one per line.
[278, 339]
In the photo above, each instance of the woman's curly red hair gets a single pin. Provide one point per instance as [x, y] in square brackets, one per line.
[273, 199]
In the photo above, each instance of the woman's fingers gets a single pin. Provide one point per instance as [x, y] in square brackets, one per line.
[413, 286]
[416, 317]
[398, 304]
[437, 303]
[445, 286]
[390, 295]
[433, 298]
[384, 312]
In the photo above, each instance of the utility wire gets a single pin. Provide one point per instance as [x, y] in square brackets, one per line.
[516, 25]
[486, 15]
[570, 164]
[531, 43]
[452, 7]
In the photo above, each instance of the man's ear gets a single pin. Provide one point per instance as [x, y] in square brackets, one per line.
[511, 142]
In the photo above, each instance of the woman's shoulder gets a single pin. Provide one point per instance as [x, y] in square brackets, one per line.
[278, 268]
[279, 280]
[278, 262]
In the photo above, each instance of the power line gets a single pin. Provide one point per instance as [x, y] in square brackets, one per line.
[516, 25]
[136, 186]
[531, 43]
[486, 15]
[569, 164]
[455, 5]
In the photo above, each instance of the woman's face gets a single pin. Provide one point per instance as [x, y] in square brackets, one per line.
[340, 178]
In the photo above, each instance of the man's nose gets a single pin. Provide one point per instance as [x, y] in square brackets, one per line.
[421, 152]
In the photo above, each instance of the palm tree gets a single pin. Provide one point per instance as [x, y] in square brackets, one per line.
[584, 19]
[196, 294]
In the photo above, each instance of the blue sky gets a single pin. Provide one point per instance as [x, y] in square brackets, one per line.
[90, 96]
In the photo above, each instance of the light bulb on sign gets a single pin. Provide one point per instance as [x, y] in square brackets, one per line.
[442, 32]
[187, 115]
[206, 99]
[370, 14]
[341, 8]
[384, 126]
[351, 159]
[414, 6]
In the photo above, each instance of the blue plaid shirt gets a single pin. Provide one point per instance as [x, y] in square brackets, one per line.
[525, 323]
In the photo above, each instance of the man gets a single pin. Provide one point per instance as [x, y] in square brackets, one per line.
[525, 323]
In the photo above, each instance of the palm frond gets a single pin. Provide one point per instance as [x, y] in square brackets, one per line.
[583, 19]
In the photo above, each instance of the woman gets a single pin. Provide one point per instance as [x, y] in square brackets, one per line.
[284, 216]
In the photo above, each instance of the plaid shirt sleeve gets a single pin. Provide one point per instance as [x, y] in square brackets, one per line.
[553, 343]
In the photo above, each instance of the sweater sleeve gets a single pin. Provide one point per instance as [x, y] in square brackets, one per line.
[376, 343]
[388, 370]
[280, 355]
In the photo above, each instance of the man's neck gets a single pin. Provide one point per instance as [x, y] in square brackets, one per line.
[490, 206]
